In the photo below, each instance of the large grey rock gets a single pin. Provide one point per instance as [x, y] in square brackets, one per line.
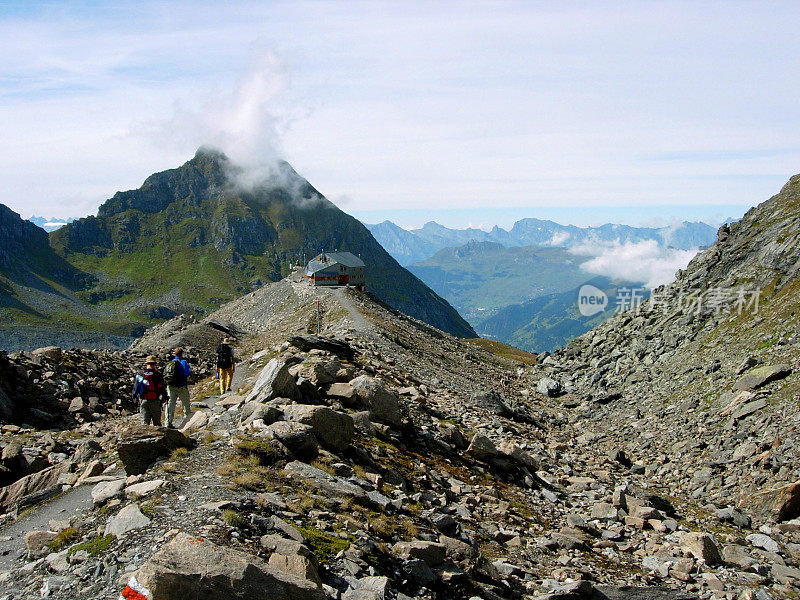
[333, 429]
[702, 546]
[382, 404]
[192, 567]
[762, 376]
[482, 448]
[141, 445]
[343, 392]
[490, 401]
[52, 352]
[128, 519]
[296, 565]
[549, 387]
[297, 437]
[266, 412]
[760, 540]
[432, 553]
[11, 495]
[105, 490]
[274, 381]
[137, 490]
[779, 504]
[324, 481]
[368, 588]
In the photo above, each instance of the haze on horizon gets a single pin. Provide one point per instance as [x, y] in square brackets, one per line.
[468, 112]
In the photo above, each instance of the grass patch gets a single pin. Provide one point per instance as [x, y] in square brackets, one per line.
[390, 527]
[265, 451]
[247, 472]
[178, 453]
[504, 350]
[62, 539]
[95, 546]
[324, 545]
[232, 518]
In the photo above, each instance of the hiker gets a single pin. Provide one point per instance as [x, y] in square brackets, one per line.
[176, 376]
[226, 365]
[150, 391]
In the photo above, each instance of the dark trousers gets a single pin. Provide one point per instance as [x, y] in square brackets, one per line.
[151, 411]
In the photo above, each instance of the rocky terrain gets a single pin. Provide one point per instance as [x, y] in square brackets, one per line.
[368, 455]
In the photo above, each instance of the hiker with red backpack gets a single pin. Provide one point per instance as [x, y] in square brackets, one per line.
[150, 391]
[176, 375]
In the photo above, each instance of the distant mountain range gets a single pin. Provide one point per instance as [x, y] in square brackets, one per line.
[520, 285]
[411, 246]
[50, 224]
[188, 240]
[523, 296]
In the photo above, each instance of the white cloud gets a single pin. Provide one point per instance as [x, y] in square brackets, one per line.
[415, 105]
[644, 262]
[558, 239]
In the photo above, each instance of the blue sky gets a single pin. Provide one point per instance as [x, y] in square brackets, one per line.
[463, 112]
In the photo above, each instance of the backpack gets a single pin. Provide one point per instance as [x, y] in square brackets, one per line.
[148, 388]
[224, 359]
[171, 374]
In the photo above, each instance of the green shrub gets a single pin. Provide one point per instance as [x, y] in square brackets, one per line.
[95, 546]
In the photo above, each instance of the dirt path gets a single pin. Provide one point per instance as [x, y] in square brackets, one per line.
[360, 322]
[12, 536]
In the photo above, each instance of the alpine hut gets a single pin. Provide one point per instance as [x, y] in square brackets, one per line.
[336, 268]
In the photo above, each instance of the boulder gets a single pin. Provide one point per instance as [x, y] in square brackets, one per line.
[11, 495]
[490, 401]
[307, 343]
[137, 490]
[128, 519]
[192, 567]
[141, 445]
[779, 504]
[760, 540]
[382, 404]
[548, 387]
[13, 464]
[343, 392]
[761, 376]
[267, 413]
[105, 490]
[52, 352]
[482, 448]
[274, 381]
[296, 565]
[36, 540]
[519, 455]
[333, 429]
[315, 372]
[297, 437]
[431, 553]
[197, 421]
[79, 406]
[324, 481]
[702, 546]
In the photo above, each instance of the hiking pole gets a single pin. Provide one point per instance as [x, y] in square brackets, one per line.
[319, 318]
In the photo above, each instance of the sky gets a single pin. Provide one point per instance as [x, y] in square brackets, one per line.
[468, 113]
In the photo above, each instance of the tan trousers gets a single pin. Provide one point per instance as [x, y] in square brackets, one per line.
[178, 393]
[225, 378]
